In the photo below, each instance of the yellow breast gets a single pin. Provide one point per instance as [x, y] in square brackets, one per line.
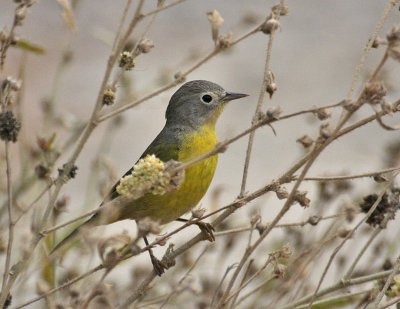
[172, 205]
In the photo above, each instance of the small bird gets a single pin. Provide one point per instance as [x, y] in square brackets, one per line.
[189, 132]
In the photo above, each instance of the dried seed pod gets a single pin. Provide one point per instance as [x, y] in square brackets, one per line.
[306, 141]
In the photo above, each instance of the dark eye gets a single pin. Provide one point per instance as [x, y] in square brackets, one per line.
[206, 98]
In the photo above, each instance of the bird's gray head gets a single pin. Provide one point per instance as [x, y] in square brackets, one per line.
[197, 103]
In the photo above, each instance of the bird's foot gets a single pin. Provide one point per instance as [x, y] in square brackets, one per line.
[207, 229]
[158, 266]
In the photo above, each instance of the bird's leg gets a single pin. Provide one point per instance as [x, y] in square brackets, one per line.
[206, 228]
[157, 264]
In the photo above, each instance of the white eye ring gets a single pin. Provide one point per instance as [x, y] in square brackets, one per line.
[206, 98]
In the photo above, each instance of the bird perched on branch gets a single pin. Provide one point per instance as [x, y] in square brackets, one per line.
[189, 132]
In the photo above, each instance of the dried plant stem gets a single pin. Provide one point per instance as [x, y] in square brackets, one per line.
[314, 153]
[374, 234]
[338, 286]
[63, 286]
[121, 22]
[378, 28]
[282, 225]
[257, 112]
[333, 300]
[121, 71]
[175, 292]
[246, 283]
[255, 289]
[350, 177]
[4, 293]
[40, 195]
[159, 9]
[389, 280]
[348, 236]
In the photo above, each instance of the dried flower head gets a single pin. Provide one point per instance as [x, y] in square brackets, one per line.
[387, 206]
[42, 172]
[271, 85]
[301, 198]
[11, 83]
[216, 21]
[374, 93]
[270, 25]
[325, 131]
[225, 41]
[9, 127]
[198, 212]
[394, 288]
[282, 193]
[67, 172]
[279, 270]
[145, 45]
[127, 61]
[314, 220]
[323, 113]
[274, 113]
[306, 141]
[109, 96]
[280, 9]
[151, 175]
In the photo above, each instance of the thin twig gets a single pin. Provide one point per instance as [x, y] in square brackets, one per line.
[346, 177]
[378, 28]
[165, 7]
[374, 234]
[257, 112]
[338, 286]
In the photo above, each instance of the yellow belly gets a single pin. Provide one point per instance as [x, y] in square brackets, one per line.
[172, 205]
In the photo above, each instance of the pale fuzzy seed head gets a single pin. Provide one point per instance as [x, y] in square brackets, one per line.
[216, 21]
[215, 18]
[151, 175]
[145, 45]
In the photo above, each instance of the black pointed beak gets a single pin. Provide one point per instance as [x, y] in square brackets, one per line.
[229, 96]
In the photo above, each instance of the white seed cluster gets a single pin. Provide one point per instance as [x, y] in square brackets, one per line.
[150, 174]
